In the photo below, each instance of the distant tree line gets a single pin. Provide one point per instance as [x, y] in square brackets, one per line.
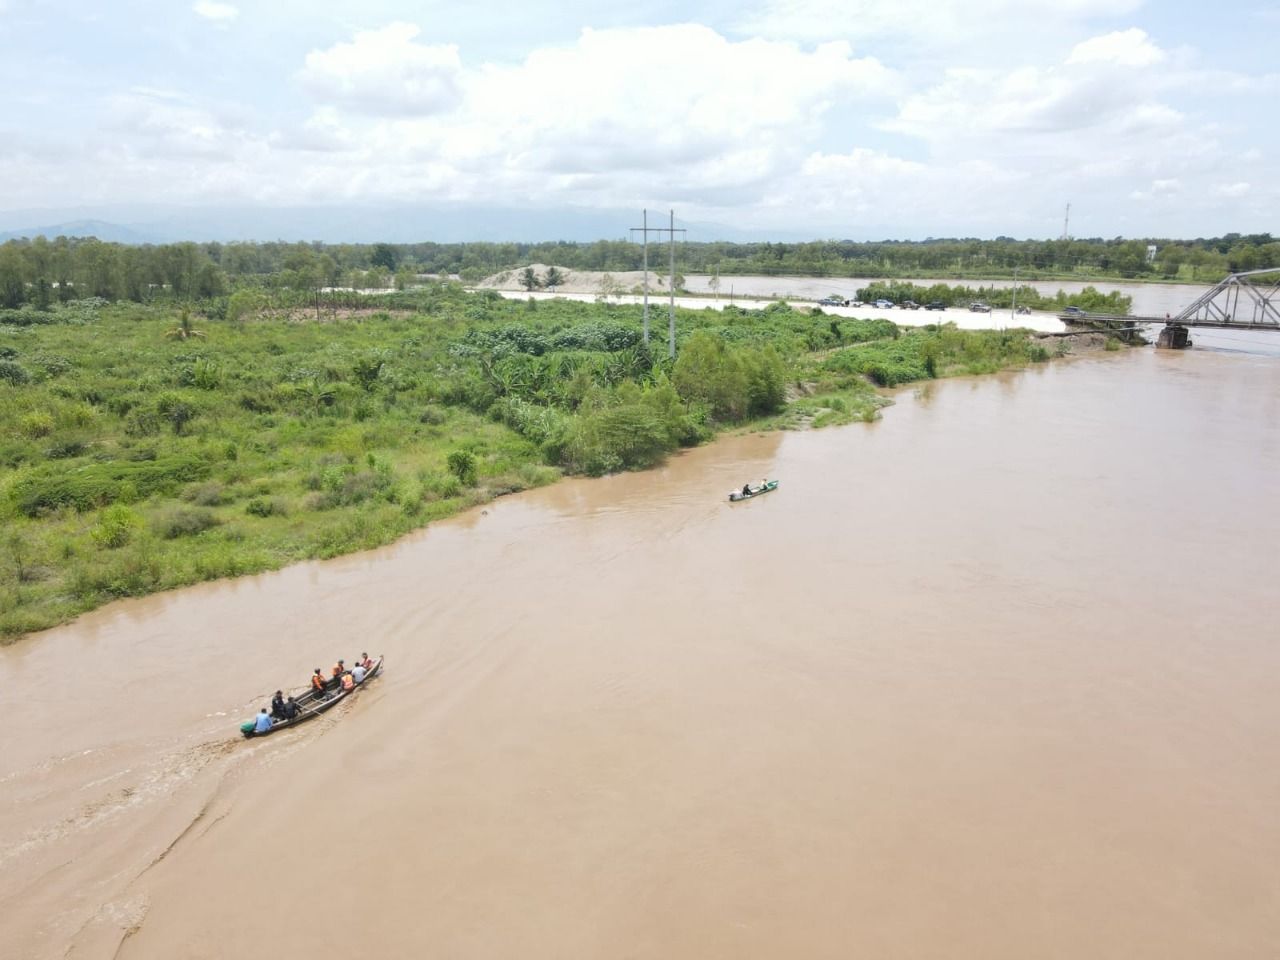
[40, 272]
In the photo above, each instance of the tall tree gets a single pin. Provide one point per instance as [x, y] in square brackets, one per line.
[13, 287]
[385, 255]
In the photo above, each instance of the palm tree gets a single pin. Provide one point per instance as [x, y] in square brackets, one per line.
[184, 330]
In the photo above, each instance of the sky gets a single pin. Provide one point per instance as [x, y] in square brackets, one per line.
[856, 119]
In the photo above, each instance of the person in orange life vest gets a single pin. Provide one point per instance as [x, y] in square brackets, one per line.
[339, 669]
[318, 683]
[348, 682]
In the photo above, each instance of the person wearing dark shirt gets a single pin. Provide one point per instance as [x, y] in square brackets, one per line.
[290, 709]
[277, 705]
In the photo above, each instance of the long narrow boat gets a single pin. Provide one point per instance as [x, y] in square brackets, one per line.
[312, 704]
[766, 487]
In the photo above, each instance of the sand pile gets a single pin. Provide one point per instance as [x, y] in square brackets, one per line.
[593, 282]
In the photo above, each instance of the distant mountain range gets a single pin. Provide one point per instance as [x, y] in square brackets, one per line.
[103, 230]
[404, 224]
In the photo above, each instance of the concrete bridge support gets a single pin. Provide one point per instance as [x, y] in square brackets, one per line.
[1174, 337]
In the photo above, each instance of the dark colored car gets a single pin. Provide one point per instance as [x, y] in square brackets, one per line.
[832, 302]
[935, 305]
[978, 307]
[909, 305]
[1073, 312]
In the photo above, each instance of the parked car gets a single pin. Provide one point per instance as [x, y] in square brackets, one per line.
[1073, 311]
[832, 302]
[1023, 310]
[909, 305]
[855, 303]
[979, 307]
[935, 305]
[884, 304]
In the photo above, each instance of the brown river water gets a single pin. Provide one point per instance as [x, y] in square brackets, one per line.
[995, 677]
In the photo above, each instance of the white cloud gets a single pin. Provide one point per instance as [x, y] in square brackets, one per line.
[158, 124]
[1084, 94]
[217, 12]
[1127, 48]
[1231, 189]
[384, 72]
[795, 130]
[572, 122]
[951, 22]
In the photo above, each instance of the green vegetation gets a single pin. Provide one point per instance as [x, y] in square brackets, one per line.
[231, 278]
[145, 446]
[1088, 299]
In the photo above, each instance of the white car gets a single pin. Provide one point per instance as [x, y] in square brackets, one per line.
[884, 304]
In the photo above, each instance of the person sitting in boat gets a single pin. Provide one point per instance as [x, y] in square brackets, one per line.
[277, 705]
[290, 709]
[358, 673]
[262, 722]
[366, 661]
[318, 684]
[746, 489]
[339, 669]
[348, 681]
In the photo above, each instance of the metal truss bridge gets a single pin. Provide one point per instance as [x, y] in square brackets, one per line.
[1240, 302]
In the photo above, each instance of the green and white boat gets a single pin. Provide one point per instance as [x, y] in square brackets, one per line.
[749, 491]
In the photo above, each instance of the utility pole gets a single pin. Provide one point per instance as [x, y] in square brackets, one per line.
[1066, 224]
[671, 289]
[1013, 310]
[671, 231]
[644, 233]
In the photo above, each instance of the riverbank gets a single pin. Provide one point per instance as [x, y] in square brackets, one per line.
[142, 453]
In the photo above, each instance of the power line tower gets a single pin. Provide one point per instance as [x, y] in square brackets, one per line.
[1066, 224]
[671, 232]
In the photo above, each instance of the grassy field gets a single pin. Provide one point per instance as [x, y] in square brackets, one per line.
[145, 447]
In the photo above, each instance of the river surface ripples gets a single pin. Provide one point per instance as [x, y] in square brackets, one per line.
[997, 676]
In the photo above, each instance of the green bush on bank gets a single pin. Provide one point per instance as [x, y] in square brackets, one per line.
[957, 295]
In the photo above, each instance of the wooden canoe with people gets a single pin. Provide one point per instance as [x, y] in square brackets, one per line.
[313, 703]
[748, 491]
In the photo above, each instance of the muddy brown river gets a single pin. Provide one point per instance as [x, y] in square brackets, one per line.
[995, 677]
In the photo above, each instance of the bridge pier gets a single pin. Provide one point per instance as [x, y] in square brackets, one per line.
[1173, 337]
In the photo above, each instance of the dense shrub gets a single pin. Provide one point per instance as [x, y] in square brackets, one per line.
[184, 522]
[66, 449]
[267, 507]
[26, 317]
[38, 423]
[709, 371]
[98, 484]
[433, 416]
[208, 494]
[115, 527]
[462, 464]
[257, 401]
[13, 373]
